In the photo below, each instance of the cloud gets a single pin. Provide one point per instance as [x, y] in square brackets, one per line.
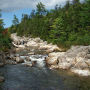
[18, 4]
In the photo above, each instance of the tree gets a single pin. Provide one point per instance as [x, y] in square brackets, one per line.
[15, 21]
[67, 5]
[41, 9]
[32, 14]
[4, 36]
[75, 1]
[68, 25]
[1, 23]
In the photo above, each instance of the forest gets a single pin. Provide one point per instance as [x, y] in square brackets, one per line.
[64, 26]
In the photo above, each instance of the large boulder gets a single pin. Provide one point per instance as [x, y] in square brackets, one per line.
[76, 59]
[52, 58]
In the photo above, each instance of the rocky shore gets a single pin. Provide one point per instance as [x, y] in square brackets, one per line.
[76, 59]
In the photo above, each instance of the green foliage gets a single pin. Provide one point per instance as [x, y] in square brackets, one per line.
[66, 26]
[15, 21]
[4, 39]
[41, 9]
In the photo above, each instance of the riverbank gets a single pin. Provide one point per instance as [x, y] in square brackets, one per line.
[76, 59]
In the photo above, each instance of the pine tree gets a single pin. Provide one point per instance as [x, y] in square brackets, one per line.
[15, 21]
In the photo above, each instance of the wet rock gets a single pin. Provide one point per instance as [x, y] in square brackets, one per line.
[27, 58]
[34, 62]
[11, 62]
[19, 60]
[2, 79]
[1, 64]
[81, 72]
[30, 64]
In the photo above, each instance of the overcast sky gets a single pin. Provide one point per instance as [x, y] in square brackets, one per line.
[18, 4]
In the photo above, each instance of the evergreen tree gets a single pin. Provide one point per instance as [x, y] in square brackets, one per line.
[15, 21]
[68, 25]
[41, 9]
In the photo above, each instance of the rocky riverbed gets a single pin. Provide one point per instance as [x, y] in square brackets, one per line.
[25, 66]
[76, 59]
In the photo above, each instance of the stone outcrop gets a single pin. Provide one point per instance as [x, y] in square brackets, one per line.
[76, 59]
[23, 42]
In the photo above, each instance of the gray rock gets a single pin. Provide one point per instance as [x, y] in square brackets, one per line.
[1, 64]
[2, 79]
[19, 60]
[76, 59]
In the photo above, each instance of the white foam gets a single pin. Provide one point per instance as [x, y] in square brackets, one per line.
[40, 59]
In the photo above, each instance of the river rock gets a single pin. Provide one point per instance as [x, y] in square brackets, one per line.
[27, 58]
[2, 79]
[81, 72]
[19, 60]
[11, 62]
[30, 64]
[1, 64]
[52, 58]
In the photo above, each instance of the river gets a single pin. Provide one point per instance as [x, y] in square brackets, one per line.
[40, 77]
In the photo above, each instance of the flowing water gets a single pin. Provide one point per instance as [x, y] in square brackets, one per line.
[39, 77]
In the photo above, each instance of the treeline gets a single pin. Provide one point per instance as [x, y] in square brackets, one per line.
[4, 37]
[64, 26]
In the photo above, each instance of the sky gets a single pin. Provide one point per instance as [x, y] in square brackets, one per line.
[19, 7]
